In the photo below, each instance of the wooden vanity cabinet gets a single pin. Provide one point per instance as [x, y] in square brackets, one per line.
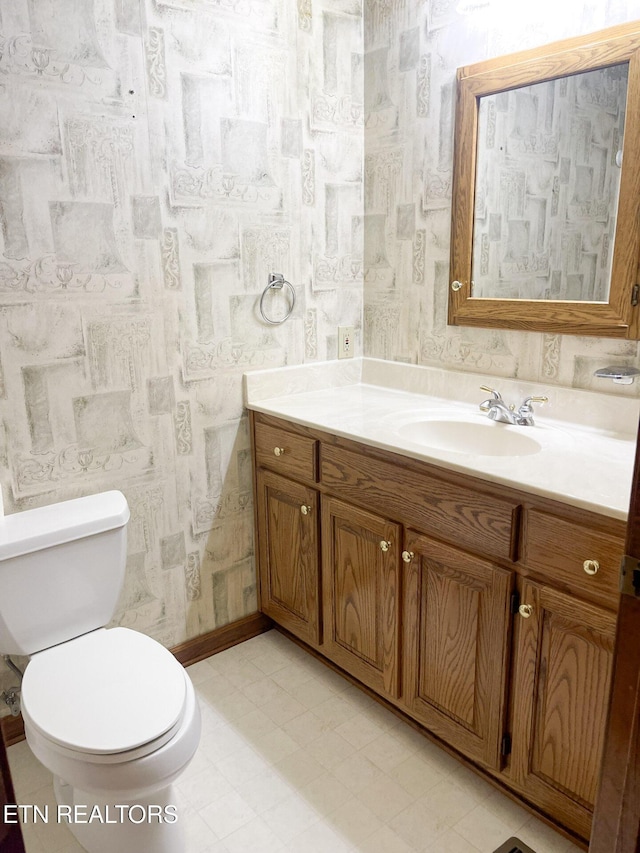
[361, 594]
[486, 615]
[457, 623]
[562, 676]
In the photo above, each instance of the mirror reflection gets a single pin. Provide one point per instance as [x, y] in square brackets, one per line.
[547, 186]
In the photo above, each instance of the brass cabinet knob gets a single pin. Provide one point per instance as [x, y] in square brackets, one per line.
[305, 510]
[591, 567]
[384, 545]
[278, 451]
[525, 610]
[407, 556]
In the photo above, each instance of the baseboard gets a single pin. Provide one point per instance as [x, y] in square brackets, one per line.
[12, 729]
[220, 639]
[189, 652]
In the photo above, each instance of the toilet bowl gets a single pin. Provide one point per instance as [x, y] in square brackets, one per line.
[123, 765]
[109, 711]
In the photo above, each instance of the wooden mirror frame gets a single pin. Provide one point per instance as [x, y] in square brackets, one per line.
[619, 316]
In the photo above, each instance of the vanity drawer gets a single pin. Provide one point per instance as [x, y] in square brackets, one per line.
[566, 553]
[444, 510]
[286, 452]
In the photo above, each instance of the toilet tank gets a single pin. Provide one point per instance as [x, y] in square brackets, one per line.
[61, 570]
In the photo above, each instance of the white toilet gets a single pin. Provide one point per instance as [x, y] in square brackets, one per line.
[110, 712]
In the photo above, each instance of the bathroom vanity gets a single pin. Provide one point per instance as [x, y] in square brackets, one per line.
[484, 611]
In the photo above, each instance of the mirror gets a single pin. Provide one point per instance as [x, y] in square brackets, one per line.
[546, 194]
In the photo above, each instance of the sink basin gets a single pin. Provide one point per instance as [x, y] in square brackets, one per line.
[478, 437]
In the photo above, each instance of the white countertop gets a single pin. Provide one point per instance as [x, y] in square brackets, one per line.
[587, 465]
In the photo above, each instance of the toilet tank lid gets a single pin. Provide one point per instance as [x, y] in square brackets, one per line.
[35, 529]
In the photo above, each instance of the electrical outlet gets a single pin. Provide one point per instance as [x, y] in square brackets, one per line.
[346, 343]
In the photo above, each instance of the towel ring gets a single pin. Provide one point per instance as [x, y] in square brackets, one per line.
[276, 282]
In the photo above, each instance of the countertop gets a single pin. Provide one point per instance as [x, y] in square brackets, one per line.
[587, 464]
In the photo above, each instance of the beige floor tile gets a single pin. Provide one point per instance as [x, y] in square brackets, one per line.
[253, 723]
[418, 826]
[221, 743]
[241, 672]
[243, 765]
[263, 691]
[292, 677]
[387, 751]
[449, 801]
[199, 837]
[313, 693]
[542, 838]
[507, 810]
[334, 711]
[325, 793]
[359, 730]
[416, 775]
[283, 708]
[227, 814]
[330, 749]
[201, 789]
[274, 746]
[290, 817]
[356, 772]
[265, 790]
[384, 840]
[355, 821]
[299, 768]
[483, 829]
[253, 837]
[234, 705]
[385, 797]
[201, 671]
[451, 842]
[305, 728]
[319, 838]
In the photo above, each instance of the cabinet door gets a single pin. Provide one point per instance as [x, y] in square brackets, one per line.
[456, 632]
[561, 691]
[288, 554]
[361, 594]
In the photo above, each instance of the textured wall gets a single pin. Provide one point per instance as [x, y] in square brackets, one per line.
[158, 158]
[412, 51]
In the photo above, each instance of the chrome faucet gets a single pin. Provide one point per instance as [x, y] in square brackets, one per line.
[497, 409]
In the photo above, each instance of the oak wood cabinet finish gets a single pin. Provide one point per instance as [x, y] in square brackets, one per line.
[361, 594]
[561, 687]
[456, 629]
[288, 554]
[432, 623]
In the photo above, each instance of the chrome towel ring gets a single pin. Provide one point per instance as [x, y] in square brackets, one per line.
[277, 282]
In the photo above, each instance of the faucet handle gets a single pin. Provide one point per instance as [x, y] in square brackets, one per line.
[496, 394]
[533, 399]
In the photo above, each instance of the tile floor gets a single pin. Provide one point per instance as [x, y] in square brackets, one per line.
[294, 758]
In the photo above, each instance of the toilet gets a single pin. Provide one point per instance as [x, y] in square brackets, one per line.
[109, 711]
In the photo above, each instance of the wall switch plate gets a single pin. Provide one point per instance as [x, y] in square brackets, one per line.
[346, 343]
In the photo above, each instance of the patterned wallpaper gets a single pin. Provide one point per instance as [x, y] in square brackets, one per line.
[158, 158]
[412, 51]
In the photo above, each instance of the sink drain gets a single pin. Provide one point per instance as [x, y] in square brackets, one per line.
[514, 845]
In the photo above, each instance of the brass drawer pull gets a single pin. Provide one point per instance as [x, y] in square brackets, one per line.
[384, 545]
[525, 610]
[305, 510]
[591, 567]
[278, 451]
[407, 556]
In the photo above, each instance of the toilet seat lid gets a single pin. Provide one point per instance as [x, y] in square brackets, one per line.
[105, 692]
